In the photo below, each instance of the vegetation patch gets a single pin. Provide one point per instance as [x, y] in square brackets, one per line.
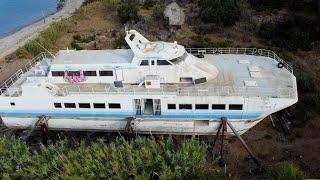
[221, 12]
[292, 33]
[141, 158]
[285, 171]
[128, 10]
[45, 40]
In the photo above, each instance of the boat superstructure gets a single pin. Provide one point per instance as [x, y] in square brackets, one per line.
[153, 87]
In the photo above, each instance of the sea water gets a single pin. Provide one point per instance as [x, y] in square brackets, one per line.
[15, 14]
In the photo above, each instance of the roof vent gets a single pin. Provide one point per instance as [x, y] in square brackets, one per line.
[244, 61]
[254, 71]
[250, 83]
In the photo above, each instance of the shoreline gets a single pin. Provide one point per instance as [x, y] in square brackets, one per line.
[11, 42]
[26, 25]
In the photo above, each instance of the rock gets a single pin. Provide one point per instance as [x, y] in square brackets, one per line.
[175, 14]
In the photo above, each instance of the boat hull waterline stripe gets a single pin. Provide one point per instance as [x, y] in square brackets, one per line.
[231, 115]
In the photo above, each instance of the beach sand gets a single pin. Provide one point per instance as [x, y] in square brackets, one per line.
[11, 43]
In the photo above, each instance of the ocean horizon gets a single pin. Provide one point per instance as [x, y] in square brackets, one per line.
[15, 14]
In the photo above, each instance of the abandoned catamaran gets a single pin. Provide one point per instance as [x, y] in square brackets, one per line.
[154, 87]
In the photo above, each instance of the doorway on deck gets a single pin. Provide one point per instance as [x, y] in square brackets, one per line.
[148, 107]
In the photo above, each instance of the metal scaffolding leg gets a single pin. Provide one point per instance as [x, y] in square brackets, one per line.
[223, 144]
[244, 144]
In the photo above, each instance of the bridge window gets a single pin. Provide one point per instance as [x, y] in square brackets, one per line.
[57, 105]
[132, 37]
[144, 63]
[84, 105]
[185, 106]
[69, 105]
[57, 73]
[12, 104]
[218, 106]
[179, 59]
[202, 106]
[114, 106]
[99, 105]
[235, 107]
[162, 63]
[172, 106]
[106, 73]
[90, 73]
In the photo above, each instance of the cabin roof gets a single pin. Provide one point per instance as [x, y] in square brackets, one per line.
[107, 57]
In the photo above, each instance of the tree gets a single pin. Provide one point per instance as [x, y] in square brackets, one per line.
[128, 10]
[224, 12]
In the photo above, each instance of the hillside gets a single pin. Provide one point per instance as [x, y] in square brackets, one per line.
[288, 27]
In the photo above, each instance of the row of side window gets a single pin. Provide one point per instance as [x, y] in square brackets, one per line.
[206, 106]
[85, 73]
[88, 105]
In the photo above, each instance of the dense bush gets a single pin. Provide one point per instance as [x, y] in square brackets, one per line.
[45, 40]
[149, 4]
[200, 41]
[262, 5]
[141, 158]
[292, 33]
[294, 5]
[285, 171]
[128, 10]
[224, 12]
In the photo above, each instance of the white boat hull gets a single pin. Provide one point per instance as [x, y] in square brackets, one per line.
[144, 126]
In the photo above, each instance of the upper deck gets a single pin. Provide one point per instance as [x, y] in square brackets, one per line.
[242, 72]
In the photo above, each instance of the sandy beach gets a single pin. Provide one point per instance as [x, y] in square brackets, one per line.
[12, 42]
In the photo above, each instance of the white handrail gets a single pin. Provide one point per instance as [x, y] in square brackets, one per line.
[14, 77]
[190, 91]
[248, 51]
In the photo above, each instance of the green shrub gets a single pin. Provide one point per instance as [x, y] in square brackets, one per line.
[120, 42]
[149, 4]
[305, 82]
[285, 171]
[128, 10]
[109, 5]
[221, 12]
[292, 33]
[200, 41]
[45, 40]
[158, 12]
[140, 158]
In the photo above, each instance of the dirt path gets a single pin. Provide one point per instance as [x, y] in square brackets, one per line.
[12, 42]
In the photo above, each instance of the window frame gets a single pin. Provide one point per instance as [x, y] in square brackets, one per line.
[161, 60]
[70, 105]
[186, 105]
[114, 106]
[57, 105]
[90, 73]
[198, 108]
[84, 105]
[59, 73]
[236, 107]
[143, 64]
[217, 106]
[106, 73]
[168, 106]
[99, 105]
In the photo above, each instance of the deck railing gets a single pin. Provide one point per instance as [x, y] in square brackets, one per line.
[4, 87]
[247, 51]
[190, 91]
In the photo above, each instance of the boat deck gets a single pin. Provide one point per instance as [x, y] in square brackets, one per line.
[239, 75]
